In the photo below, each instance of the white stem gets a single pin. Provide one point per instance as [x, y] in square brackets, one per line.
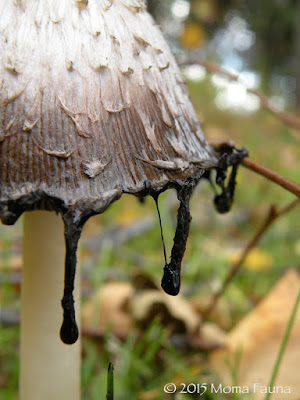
[50, 369]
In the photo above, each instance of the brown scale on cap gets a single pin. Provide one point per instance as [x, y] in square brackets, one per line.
[92, 105]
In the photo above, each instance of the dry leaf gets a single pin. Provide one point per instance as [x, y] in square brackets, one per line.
[175, 312]
[258, 336]
[212, 335]
[107, 309]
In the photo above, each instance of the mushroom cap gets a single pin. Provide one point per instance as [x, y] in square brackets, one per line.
[92, 105]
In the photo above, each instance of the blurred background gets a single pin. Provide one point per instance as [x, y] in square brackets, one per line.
[126, 320]
[259, 39]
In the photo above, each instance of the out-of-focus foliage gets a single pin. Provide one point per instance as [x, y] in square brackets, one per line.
[274, 25]
[193, 35]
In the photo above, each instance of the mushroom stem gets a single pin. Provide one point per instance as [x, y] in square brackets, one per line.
[49, 368]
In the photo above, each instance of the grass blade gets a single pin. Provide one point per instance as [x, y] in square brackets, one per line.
[110, 382]
[283, 345]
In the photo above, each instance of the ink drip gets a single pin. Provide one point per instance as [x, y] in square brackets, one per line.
[171, 277]
[69, 330]
[74, 220]
[73, 227]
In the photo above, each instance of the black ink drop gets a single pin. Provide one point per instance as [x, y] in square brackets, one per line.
[171, 278]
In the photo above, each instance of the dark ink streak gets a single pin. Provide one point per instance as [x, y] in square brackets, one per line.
[223, 202]
[230, 157]
[69, 330]
[171, 278]
[74, 218]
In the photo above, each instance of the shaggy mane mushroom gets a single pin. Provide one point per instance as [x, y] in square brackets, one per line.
[92, 105]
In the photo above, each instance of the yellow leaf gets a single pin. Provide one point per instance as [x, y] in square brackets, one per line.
[256, 260]
[193, 35]
[257, 338]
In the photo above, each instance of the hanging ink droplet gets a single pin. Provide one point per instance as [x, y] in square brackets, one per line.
[8, 217]
[171, 278]
[69, 330]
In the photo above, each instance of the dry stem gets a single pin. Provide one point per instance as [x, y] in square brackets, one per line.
[272, 176]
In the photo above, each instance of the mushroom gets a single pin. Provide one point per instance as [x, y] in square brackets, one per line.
[92, 105]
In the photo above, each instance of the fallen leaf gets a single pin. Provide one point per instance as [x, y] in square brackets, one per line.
[176, 313]
[106, 310]
[258, 337]
[212, 335]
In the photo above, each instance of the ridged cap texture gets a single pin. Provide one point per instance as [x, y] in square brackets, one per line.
[92, 105]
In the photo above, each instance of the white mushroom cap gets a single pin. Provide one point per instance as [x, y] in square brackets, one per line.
[92, 104]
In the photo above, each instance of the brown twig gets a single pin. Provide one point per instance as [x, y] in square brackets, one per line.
[273, 214]
[287, 118]
[272, 176]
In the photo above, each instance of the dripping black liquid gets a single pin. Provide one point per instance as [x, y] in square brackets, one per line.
[74, 220]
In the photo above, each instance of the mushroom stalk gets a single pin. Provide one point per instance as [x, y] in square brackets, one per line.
[49, 368]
